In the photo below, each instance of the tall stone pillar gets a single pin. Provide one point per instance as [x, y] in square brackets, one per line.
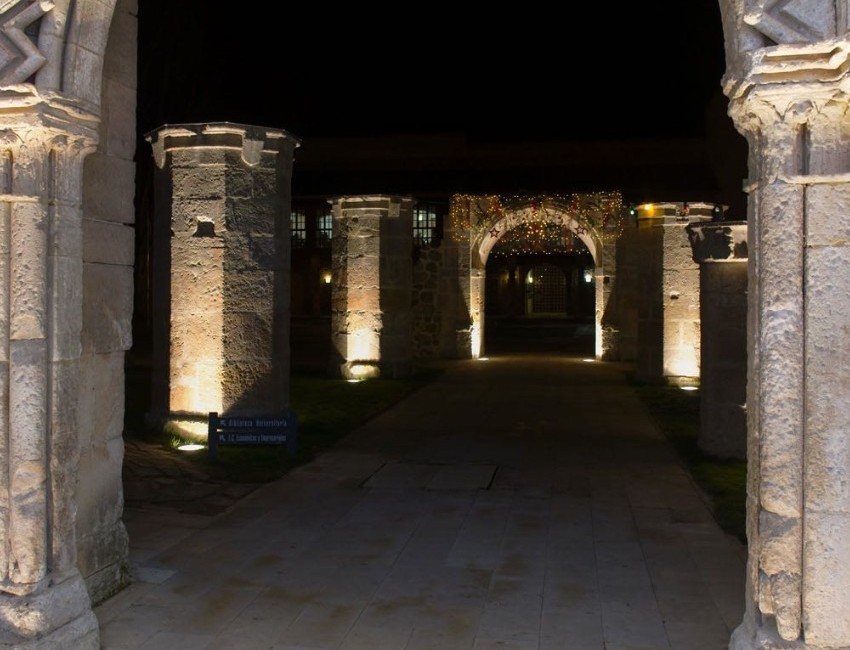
[720, 249]
[628, 294]
[221, 270]
[668, 309]
[787, 83]
[458, 340]
[43, 599]
[371, 313]
[608, 321]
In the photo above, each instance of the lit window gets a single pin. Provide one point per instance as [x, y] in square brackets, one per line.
[324, 230]
[424, 225]
[298, 225]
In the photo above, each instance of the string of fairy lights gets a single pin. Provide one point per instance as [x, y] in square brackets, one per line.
[545, 224]
[539, 238]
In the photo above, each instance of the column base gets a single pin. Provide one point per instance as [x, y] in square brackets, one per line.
[745, 637]
[58, 616]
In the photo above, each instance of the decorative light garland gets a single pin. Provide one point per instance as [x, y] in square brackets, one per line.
[539, 238]
[547, 218]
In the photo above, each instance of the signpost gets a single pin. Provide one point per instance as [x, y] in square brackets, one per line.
[251, 431]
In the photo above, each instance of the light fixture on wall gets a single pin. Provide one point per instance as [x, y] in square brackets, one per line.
[326, 277]
[588, 276]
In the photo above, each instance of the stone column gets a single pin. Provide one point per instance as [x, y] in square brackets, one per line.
[607, 319]
[43, 599]
[628, 294]
[221, 278]
[455, 286]
[720, 249]
[371, 313]
[786, 81]
[668, 309]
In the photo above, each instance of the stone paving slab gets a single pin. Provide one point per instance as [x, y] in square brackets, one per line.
[539, 509]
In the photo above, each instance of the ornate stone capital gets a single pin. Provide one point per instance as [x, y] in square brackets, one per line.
[28, 113]
[796, 21]
[791, 103]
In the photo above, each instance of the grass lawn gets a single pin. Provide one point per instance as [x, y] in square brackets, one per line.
[326, 410]
[677, 413]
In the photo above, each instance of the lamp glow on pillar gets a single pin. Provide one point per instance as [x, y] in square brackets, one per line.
[364, 344]
[475, 340]
[326, 277]
[588, 275]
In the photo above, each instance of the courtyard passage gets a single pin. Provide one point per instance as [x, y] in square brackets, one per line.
[526, 502]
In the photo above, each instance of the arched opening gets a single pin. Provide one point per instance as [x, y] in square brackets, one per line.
[540, 292]
[586, 226]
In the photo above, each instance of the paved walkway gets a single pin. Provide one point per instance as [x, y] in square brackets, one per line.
[519, 503]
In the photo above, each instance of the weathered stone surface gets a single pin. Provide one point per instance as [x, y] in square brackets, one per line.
[229, 270]
[827, 450]
[253, 214]
[28, 307]
[723, 356]
[58, 616]
[247, 336]
[186, 217]
[109, 180]
[206, 183]
[830, 225]
[28, 475]
[106, 242]
[107, 308]
[121, 51]
[668, 329]
[66, 300]
[102, 542]
[373, 280]
[67, 240]
[827, 573]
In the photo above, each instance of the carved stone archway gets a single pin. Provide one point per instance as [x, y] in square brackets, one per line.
[67, 303]
[787, 83]
[479, 222]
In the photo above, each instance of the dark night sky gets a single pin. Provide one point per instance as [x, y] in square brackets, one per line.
[519, 72]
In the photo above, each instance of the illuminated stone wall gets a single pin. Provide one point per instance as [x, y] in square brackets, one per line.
[608, 318]
[721, 251]
[372, 259]
[668, 311]
[786, 79]
[107, 231]
[459, 338]
[427, 320]
[59, 413]
[221, 270]
[627, 295]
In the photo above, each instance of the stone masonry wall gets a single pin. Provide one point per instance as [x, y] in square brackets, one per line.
[427, 317]
[108, 190]
[224, 190]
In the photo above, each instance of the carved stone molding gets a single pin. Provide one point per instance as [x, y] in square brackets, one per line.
[20, 58]
[793, 21]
